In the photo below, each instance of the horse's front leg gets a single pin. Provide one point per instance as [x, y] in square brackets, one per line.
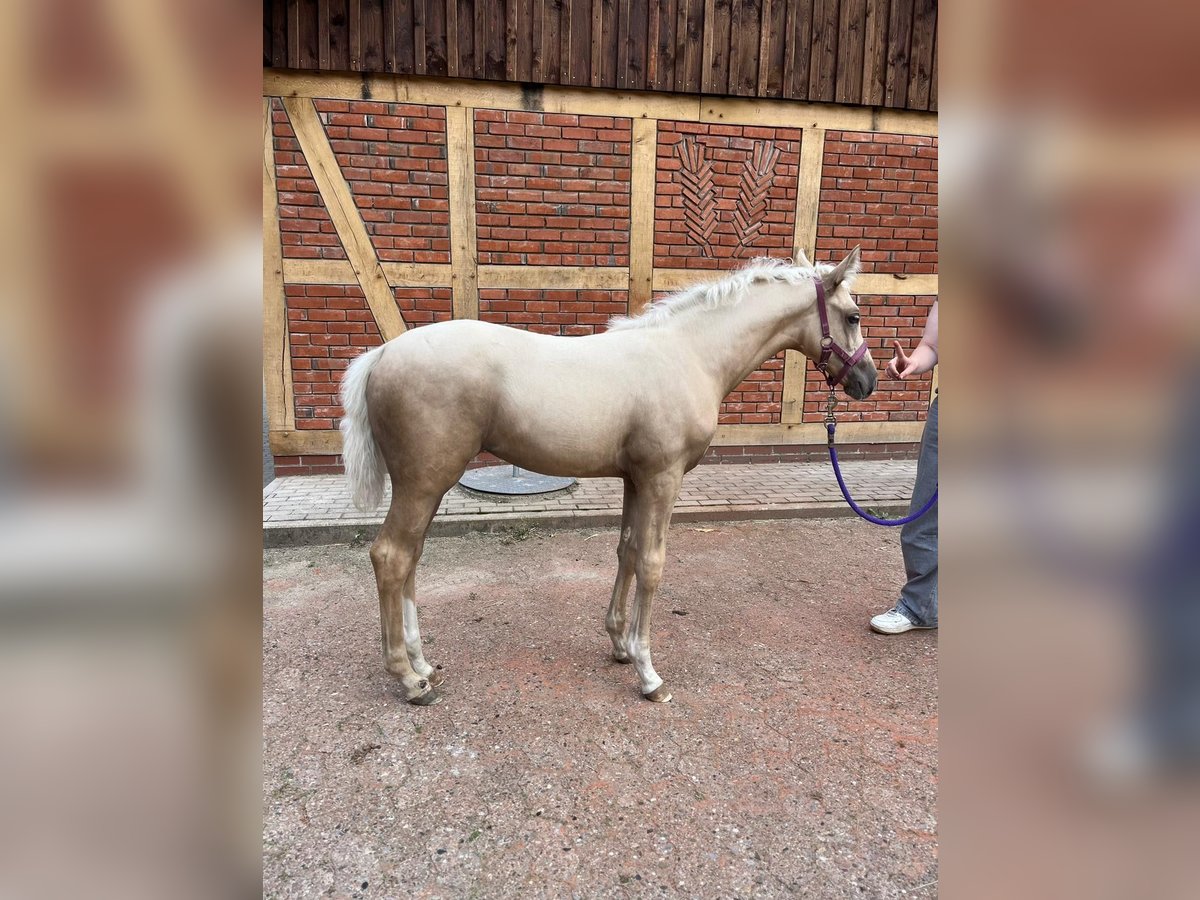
[614, 622]
[655, 500]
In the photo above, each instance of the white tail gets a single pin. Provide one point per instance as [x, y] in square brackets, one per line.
[360, 453]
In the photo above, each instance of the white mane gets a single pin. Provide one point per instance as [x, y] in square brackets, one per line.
[726, 292]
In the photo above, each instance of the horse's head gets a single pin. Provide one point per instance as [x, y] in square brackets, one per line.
[832, 331]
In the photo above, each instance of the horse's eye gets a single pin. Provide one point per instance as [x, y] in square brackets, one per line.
[854, 320]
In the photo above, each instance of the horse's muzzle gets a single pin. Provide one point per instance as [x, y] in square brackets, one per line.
[860, 381]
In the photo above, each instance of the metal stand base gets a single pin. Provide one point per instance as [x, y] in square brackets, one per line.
[511, 481]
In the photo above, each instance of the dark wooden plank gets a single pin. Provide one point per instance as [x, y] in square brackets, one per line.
[551, 40]
[771, 66]
[522, 19]
[510, 40]
[378, 47]
[267, 36]
[875, 34]
[652, 43]
[851, 41]
[581, 42]
[354, 22]
[745, 42]
[920, 56]
[564, 42]
[596, 60]
[613, 53]
[822, 76]
[323, 34]
[899, 35]
[339, 35]
[623, 19]
[293, 33]
[464, 14]
[279, 33]
[764, 48]
[799, 49]
[537, 55]
[309, 36]
[690, 77]
[493, 62]
[435, 38]
[398, 32]
[453, 61]
[639, 32]
[716, 45]
[664, 52]
[418, 35]
[681, 19]
[933, 103]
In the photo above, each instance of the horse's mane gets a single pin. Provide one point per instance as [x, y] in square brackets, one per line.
[713, 294]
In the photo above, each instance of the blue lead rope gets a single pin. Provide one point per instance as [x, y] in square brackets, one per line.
[830, 426]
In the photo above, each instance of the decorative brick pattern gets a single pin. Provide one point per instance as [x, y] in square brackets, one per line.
[329, 325]
[305, 228]
[885, 319]
[724, 194]
[880, 191]
[553, 312]
[393, 156]
[552, 190]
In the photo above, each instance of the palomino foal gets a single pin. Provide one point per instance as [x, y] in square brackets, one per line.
[638, 402]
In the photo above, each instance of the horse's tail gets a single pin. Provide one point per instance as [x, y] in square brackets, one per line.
[360, 454]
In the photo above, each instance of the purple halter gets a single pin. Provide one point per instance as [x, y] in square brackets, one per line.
[829, 346]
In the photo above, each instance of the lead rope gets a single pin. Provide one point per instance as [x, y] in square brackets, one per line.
[830, 428]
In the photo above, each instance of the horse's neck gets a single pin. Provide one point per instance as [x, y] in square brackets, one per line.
[731, 342]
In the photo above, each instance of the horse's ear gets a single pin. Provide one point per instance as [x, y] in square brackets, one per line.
[801, 260]
[843, 271]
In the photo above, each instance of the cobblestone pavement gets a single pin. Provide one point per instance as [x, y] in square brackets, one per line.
[317, 508]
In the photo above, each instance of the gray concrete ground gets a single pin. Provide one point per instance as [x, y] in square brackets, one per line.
[268, 459]
[316, 509]
[798, 758]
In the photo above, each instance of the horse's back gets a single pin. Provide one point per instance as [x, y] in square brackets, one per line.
[559, 405]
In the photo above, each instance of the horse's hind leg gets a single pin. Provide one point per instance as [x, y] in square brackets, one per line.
[412, 631]
[614, 622]
[394, 556]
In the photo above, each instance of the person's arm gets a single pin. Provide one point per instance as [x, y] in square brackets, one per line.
[924, 357]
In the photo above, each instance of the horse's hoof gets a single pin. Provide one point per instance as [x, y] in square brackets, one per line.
[625, 660]
[435, 678]
[659, 695]
[429, 698]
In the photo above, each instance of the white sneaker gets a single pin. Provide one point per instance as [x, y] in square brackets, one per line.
[894, 622]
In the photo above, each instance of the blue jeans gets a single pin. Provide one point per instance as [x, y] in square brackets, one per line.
[919, 539]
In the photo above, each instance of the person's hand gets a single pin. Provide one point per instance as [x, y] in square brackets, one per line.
[902, 364]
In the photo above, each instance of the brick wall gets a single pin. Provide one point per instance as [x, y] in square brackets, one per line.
[879, 191]
[329, 325]
[393, 156]
[551, 190]
[724, 193]
[554, 190]
[306, 230]
[553, 312]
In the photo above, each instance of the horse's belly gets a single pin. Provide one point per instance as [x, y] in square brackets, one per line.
[547, 441]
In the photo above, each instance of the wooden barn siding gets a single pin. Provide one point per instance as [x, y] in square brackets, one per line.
[865, 52]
